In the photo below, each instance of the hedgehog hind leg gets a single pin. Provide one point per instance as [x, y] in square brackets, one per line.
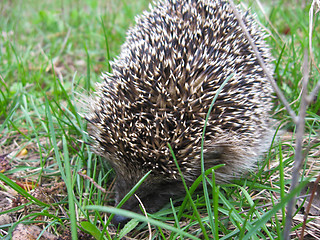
[237, 161]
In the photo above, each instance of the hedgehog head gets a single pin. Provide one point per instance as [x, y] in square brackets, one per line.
[133, 135]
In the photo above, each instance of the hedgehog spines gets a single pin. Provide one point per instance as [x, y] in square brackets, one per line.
[162, 84]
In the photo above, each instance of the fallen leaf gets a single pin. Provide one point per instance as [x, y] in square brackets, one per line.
[31, 232]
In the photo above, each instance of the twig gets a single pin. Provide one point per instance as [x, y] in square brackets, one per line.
[298, 158]
[305, 100]
[264, 206]
[313, 193]
[92, 181]
[263, 65]
[298, 120]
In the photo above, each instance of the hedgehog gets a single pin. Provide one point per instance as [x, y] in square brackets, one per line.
[162, 83]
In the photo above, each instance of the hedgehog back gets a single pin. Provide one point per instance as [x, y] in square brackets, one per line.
[162, 84]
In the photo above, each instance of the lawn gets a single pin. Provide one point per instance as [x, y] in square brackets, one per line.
[51, 183]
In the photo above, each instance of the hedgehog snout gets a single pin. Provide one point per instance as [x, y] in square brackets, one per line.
[119, 220]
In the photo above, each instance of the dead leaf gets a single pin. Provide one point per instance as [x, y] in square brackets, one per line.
[5, 201]
[31, 232]
[5, 219]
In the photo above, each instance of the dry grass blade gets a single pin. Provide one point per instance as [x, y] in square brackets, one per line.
[311, 12]
[145, 213]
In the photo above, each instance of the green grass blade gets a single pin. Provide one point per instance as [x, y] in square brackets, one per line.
[69, 185]
[141, 218]
[91, 228]
[195, 210]
[204, 182]
[273, 211]
[21, 191]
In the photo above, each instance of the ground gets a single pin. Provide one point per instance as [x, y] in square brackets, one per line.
[52, 51]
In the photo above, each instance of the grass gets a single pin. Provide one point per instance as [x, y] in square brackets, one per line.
[50, 50]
